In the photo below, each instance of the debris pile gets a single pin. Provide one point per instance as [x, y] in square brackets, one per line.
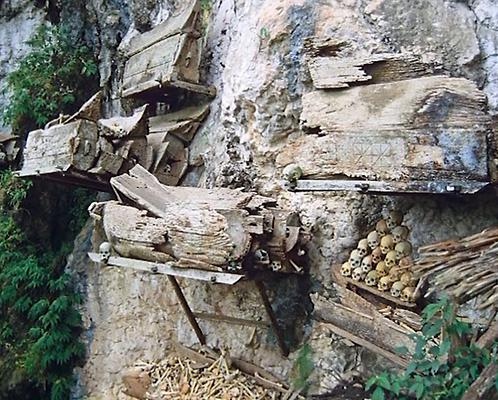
[383, 260]
[179, 378]
[466, 269]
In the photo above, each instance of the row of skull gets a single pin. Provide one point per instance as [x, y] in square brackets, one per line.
[382, 259]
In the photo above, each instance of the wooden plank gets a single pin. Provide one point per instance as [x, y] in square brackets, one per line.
[335, 72]
[125, 127]
[384, 296]
[60, 146]
[426, 129]
[170, 269]
[371, 330]
[180, 21]
[366, 344]
[369, 186]
[483, 387]
[90, 110]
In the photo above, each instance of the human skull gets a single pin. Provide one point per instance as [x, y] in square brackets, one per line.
[355, 259]
[394, 275]
[372, 278]
[394, 218]
[292, 173]
[105, 251]
[396, 289]
[373, 240]
[406, 262]
[407, 294]
[381, 269]
[358, 274]
[384, 284]
[366, 264]
[275, 266]
[400, 234]
[386, 244]
[407, 279]
[346, 269]
[403, 249]
[376, 255]
[390, 259]
[381, 228]
[363, 248]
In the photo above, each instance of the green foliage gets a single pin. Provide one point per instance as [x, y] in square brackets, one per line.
[39, 322]
[302, 368]
[206, 7]
[444, 364]
[56, 75]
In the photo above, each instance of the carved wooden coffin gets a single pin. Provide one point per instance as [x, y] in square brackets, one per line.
[166, 56]
[213, 230]
[422, 134]
[61, 147]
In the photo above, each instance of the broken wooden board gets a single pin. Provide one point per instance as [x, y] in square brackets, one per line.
[342, 72]
[125, 127]
[90, 110]
[183, 123]
[182, 20]
[419, 130]
[169, 269]
[61, 147]
[377, 293]
[366, 327]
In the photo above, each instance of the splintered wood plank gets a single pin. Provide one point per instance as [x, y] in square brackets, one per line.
[182, 123]
[341, 72]
[120, 127]
[198, 233]
[368, 328]
[91, 110]
[143, 183]
[61, 147]
[180, 21]
[424, 129]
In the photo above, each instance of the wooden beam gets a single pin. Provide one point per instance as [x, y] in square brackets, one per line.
[483, 387]
[273, 319]
[169, 269]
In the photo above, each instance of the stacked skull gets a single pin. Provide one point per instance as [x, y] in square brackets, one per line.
[383, 259]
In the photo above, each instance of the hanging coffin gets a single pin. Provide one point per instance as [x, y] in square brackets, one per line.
[166, 57]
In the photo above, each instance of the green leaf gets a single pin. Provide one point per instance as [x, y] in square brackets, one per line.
[378, 394]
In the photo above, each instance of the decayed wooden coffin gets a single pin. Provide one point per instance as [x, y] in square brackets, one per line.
[401, 130]
[166, 56]
[213, 230]
[90, 150]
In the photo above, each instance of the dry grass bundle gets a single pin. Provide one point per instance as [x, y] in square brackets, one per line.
[465, 269]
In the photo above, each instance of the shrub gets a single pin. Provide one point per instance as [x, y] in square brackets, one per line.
[441, 369]
[56, 76]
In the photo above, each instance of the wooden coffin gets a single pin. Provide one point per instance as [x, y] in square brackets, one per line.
[61, 147]
[167, 56]
[426, 134]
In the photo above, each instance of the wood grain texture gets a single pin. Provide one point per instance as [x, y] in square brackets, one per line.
[418, 129]
[61, 147]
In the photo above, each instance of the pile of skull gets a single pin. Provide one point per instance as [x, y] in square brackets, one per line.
[383, 259]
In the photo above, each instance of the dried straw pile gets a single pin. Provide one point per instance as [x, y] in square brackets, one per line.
[465, 269]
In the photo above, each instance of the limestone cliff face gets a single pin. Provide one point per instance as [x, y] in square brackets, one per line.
[253, 55]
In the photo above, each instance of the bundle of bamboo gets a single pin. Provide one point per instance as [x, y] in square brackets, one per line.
[464, 269]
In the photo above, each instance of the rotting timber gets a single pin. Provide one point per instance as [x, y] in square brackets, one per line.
[389, 123]
[205, 234]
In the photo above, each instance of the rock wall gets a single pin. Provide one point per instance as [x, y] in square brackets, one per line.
[253, 55]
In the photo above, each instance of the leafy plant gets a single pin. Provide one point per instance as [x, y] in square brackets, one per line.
[39, 321]
[444, 363]
[302, 368]
[54, 77]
